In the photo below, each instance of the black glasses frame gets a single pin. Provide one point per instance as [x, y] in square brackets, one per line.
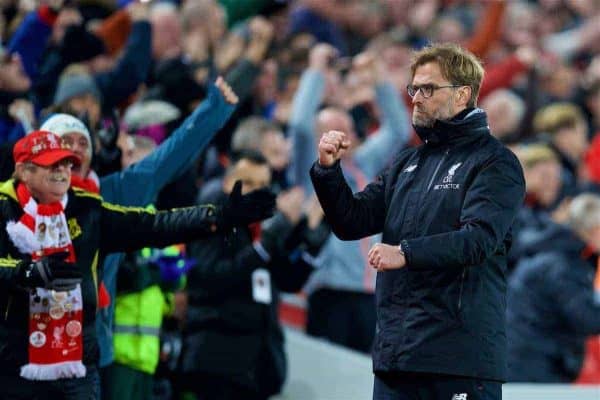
[427, 90]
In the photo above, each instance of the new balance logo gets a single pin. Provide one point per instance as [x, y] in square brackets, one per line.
[459, 396]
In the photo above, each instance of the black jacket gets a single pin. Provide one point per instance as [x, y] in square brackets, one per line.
[450, 203]
[551, 308]
[228, 334]
[96, 228]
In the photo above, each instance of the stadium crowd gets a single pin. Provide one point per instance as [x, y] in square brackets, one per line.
[169, 103]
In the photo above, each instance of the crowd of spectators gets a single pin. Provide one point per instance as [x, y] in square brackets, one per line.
[141, 77]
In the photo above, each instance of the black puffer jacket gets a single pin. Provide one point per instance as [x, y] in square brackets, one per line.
[450, 203]
[96, 228]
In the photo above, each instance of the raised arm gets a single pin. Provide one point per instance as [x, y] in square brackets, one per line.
[378, 149]
[305, 106]
[139, 184]
[128, 228]
[351, 216]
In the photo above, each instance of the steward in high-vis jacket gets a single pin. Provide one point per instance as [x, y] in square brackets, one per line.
[445, 210]
[145, 284]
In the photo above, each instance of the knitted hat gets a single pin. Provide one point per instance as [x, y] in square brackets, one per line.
[70, 86]
[61, 124]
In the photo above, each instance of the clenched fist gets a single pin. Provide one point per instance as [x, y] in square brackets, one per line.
[383, 257]
[332, 147]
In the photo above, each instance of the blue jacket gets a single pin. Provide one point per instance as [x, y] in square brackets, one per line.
[30, 41]
[115, 85]
[552, 307]
[139, 184]
[341, 265]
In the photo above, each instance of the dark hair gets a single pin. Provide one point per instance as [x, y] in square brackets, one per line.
[255, 157]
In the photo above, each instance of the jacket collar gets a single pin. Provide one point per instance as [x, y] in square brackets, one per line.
[465, 126]
[8, 188]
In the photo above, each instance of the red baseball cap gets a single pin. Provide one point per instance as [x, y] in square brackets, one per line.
[42, 148]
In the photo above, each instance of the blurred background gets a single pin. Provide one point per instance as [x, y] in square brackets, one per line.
[134, 72]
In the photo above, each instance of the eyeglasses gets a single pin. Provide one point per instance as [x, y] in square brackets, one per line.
[427, 89]
[68, 164]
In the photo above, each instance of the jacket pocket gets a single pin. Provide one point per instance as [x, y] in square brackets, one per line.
[439, 294]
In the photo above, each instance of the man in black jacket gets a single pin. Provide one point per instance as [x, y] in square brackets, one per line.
[233, 343]
[552, 303]
[445, 209]
[50, 242]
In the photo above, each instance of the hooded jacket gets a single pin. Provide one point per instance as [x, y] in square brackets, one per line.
[450, 203]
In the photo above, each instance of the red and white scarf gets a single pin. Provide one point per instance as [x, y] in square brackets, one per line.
[91, 182]
[55, 318]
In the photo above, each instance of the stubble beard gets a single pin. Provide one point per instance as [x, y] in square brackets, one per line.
[423, 120]
[428, 120]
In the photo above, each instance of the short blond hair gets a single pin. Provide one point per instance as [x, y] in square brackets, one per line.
[458, 66]
[531, 154]
[557, 116]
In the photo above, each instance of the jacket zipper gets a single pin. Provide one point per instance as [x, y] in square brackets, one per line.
[462, 282]
[437, 168]
[8, 304]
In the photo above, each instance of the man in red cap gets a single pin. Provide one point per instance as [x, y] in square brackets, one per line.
[50, 243]
[44, 165]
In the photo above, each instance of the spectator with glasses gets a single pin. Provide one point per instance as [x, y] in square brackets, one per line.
[445, 210]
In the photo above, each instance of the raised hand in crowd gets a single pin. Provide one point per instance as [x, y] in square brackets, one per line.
[367, 70]
[261, 35]
[22, 110]
[226, 91]
[325, 59]
[138, 11]
[66, 17]
[322, 57]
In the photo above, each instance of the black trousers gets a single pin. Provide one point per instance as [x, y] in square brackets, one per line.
[17, 388]
[213, 387]
[421, 386]
[343, 317]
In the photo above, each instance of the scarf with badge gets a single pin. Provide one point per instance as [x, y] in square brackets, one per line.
[55, 318]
